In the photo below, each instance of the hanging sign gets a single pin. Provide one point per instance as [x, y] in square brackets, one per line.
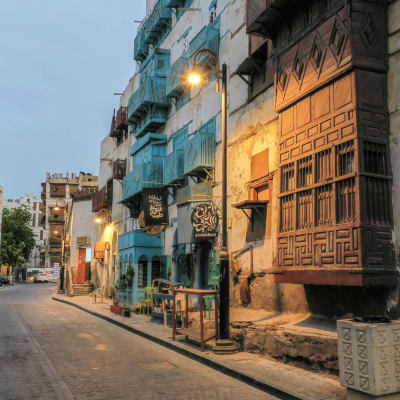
[155, 206]
[148, 229]
[205, 221]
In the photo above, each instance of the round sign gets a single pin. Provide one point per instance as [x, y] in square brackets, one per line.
[149, 230]
[205, 221]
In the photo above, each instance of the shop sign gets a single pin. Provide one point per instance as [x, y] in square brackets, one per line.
[205, 221]
[155, 206]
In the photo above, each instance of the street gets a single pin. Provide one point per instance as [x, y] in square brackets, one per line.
[49, 350]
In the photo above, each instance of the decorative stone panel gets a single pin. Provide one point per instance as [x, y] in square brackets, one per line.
[369, 356]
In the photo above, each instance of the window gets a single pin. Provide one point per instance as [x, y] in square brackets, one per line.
[345, 158]
[323, 165]
[346, 201]
[304, 209]
[377, 201]
[304, 172]
[287, 213]
[155, 268]
[324, 210]
[142, 271]
[375, 161]
[287, 177]
[41, 234]
[182, 100]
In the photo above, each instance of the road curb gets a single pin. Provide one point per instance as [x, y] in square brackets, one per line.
[227, 370]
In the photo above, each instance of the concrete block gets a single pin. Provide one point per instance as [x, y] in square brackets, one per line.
[369, 356]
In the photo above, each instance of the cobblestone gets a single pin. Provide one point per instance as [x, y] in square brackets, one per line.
[49, 350]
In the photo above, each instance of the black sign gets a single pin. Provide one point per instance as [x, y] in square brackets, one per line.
[155, 206]
[205, 221]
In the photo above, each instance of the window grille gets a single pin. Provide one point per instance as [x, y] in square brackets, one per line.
[323, 165]
[287, 213]
[287, 177]
[304, 209]
[346, 201]
[375, 161]
[345, 158]
[324, 210]
[377, 201]
[142, 272]
[304, 172]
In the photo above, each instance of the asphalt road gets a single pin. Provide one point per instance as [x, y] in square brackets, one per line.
[49, 350]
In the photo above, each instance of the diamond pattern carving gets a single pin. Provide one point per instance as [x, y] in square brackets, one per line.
[347, 349]
[363, 367]
[346, 332]
[361, 336]
[337, 41]
[282, 79]
[368, 31]
[349, 378]
[298, 67]
[364, 383]
[317, 54]
[348, 363]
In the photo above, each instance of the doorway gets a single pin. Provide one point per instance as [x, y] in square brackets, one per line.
[84, 257]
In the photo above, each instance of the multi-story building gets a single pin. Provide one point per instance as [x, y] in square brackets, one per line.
[33, 204]
[57, 194]
[80, 239]
[309, 169]
[111, 214]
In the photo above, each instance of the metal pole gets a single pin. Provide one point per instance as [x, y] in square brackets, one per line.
[224, 255]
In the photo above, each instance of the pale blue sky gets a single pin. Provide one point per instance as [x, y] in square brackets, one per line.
[60, 63]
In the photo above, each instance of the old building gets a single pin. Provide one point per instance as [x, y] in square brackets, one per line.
[106, 202]
[80, 237]
[57, 192]
[312, 143]
[34, 205]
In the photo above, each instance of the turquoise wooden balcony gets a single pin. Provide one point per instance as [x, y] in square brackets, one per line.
[200, 152]
[158, 23]
[146, 175]
[174, 167]
[174, 86]
[148, 106]
[141, 49]
[138, 238]
[208, 38]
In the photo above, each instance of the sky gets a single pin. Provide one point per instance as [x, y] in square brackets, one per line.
[60, 63]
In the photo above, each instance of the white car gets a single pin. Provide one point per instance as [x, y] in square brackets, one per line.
[41, 278]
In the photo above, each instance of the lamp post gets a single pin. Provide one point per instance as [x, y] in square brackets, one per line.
[198, 76]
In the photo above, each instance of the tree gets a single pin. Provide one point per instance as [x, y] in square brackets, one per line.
[17, 237]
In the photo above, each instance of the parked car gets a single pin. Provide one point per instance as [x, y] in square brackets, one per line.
[41, 278]
[4, 280]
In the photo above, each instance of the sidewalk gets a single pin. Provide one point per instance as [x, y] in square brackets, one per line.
[284, 381]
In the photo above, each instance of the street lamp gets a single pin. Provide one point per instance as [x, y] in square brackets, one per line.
[196, 76]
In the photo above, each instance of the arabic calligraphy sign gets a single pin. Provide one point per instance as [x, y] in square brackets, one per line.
[205, 221]
[155, 206]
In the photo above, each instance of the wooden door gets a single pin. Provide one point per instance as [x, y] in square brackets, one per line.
[83, 270]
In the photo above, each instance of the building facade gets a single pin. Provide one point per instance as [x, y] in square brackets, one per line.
[34, 205]
[312, 127]
[80, 239]
[57, 194]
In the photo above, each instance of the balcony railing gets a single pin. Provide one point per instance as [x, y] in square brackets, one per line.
[145, 175]
[102, 198]
[200, 153]
[141, 49]
[53, 219]
[208, 38]
[119, 122]
[148, 106]
[119, 169]
[174, 167]
[158, 22]
[174, 86]
[138, 238]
